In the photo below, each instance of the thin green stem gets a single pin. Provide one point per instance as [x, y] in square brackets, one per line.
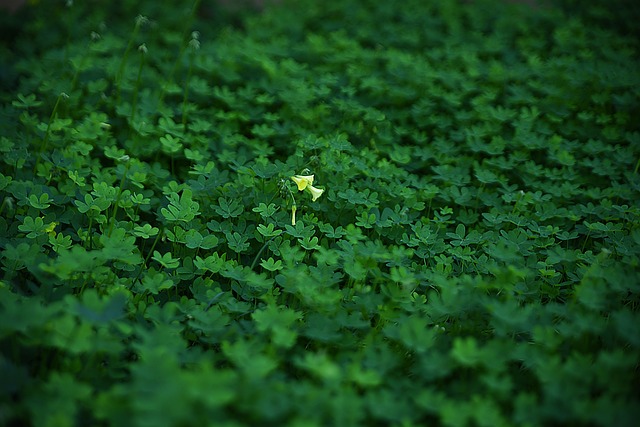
[74, 82]
[45, 139]
[515, 205]
[84, 284]
[213, 300]
[584, 244]
[255, 260]
[178, 60]
[119, 76]
[475, 207]
[117, 202]
[134, 101]
[144, 263]
[90, 232]
[186, 93]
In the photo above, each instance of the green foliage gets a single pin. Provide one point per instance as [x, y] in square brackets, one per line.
[459, 245]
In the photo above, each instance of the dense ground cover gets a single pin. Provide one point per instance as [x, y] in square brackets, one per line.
[466, 254]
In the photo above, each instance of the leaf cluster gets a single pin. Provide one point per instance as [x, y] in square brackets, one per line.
[472, 259]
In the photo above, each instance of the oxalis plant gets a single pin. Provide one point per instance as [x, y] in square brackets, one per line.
[347, 213]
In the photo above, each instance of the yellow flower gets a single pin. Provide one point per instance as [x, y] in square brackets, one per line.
[315, 192]
[302, 181]
[293, 215]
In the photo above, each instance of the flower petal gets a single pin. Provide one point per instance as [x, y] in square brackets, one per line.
[315, 192]
[302, 181]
